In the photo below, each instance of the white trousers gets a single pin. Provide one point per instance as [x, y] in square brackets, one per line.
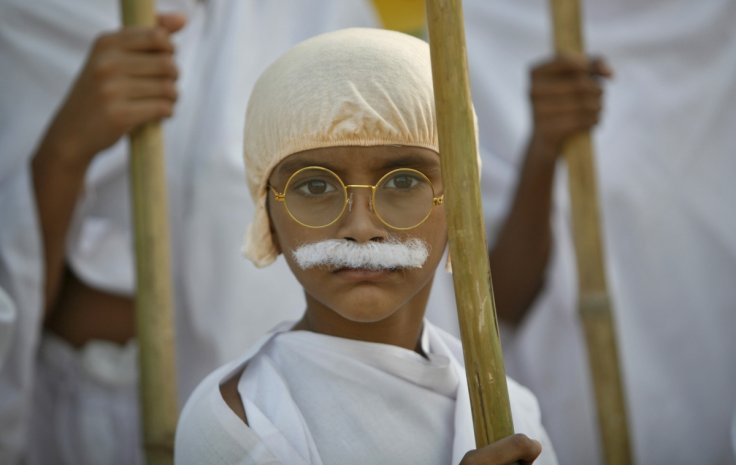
[85, 408]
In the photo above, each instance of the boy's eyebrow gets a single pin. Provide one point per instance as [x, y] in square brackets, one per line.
[415, 161]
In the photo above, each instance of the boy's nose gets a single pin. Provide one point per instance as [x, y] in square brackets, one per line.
[350, 202]
[359, 222]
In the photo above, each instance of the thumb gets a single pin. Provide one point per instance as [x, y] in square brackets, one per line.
[600, 67]
[172, 22]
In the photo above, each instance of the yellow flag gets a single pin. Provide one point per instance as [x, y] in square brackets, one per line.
[402, 15]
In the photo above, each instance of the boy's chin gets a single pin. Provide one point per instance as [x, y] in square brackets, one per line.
[365, 308]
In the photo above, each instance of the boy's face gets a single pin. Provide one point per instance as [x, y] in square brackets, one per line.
[342, 294]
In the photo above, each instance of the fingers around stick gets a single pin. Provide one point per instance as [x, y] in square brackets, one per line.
[150, 65]
[143, 88]
[567, 104]
[565, 64]
[600, 67]
[171, 22]
[579, 86]
[562, 64]
[114, 66]
[512, 449]
[132, 114]
[146, 39]
[134, 38]
[565, 125]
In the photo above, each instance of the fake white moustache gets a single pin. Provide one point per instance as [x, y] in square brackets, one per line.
[342, 253]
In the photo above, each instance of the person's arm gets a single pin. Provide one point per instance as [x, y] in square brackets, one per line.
[129, 79]
[566, 96]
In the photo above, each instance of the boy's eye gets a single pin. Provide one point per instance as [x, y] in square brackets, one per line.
[402, 181]
[315, 187]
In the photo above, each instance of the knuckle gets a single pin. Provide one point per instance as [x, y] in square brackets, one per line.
[593, 85]
[565, 57]
[544, 110]
[109, 92]
[590, 107]
[170, 90]
[165, 109]
[169, 66]
[581, 81]
[104, 41]
[520, 441]
[576, 62]
[103, 69]
[584, 91]
[536, 65]
[118, 117]
[470, 458]
[159, 38]
[541, 92]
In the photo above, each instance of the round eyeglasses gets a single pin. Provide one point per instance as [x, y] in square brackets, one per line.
[316, 197]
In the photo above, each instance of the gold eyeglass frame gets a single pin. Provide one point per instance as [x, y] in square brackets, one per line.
[281, 196]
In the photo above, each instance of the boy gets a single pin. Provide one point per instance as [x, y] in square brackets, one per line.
[341, 156]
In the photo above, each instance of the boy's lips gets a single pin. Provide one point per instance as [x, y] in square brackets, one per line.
[363, 274]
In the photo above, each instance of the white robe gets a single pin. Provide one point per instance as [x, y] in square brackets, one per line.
[665, 159]
[317, 399]
[222, 302]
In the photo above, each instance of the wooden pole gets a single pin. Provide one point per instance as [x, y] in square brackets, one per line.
[154, 329]
[471, 272]
[594, 304]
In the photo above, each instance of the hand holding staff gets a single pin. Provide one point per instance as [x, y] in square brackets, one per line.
[471, 272]
[594, 303]
[153, 299]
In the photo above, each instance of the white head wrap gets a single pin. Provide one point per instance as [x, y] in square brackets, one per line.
[360, 87]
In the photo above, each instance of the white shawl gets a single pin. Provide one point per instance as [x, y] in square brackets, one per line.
[317, 399]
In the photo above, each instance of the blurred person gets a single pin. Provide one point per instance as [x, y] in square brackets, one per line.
[73, 84]
[664, 155]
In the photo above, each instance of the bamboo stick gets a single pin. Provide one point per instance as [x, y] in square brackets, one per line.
[157, 385]
[594, 304]
[471, 271]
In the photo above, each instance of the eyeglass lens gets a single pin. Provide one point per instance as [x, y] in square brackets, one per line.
[317, 197]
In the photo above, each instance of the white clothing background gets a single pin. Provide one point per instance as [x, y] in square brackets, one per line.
[8, 316]
[222, 303]
[309, 397]
[666, 160]
[82, 402]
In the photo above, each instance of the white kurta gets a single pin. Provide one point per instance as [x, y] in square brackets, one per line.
[222, 303]
[317, 399]
[665, 159]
